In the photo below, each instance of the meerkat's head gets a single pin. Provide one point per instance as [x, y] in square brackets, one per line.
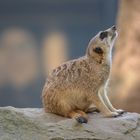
[102, 43]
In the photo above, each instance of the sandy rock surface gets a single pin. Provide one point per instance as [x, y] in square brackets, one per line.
[34, 124]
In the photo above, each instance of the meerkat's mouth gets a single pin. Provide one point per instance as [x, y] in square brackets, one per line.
[113, 32]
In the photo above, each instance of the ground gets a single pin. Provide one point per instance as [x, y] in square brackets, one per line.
[35, 124]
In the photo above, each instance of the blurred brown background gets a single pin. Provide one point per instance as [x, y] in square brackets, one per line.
[38, 35]
[125, 85]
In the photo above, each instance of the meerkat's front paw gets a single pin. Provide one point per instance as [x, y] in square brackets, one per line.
[120, 111]
[112, 114]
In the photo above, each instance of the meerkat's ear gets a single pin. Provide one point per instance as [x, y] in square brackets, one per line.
[103, 35]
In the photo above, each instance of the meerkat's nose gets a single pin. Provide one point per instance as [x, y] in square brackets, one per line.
[113, 28]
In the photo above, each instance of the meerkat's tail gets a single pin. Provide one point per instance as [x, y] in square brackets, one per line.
[79, 115]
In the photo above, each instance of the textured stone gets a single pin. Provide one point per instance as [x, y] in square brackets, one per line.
[34, 124]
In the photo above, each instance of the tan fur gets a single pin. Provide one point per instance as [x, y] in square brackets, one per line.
[79, 83]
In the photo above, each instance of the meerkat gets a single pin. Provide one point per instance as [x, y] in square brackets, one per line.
[73, 87]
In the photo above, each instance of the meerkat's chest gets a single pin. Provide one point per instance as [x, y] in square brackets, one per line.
[105, 72]
[100, 74]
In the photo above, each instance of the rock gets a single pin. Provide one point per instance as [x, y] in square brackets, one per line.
[34, 124]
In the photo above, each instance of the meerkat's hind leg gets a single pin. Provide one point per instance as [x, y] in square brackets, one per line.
[79, 115]
[92, 108]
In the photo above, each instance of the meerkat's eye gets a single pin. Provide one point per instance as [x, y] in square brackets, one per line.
[98, 50]
[103, 35]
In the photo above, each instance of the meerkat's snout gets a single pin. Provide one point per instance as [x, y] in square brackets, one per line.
[109, 35]
[111, 32]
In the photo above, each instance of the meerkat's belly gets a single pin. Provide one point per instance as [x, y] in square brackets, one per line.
[78, 99]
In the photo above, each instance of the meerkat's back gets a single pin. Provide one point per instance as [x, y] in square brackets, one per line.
[66, 87]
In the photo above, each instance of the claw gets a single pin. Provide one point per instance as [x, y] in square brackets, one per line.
[81, 119]
[120, 111]
[113, 114]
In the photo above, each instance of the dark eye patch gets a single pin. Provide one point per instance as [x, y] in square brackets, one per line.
[103, 35]
[98, 50]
